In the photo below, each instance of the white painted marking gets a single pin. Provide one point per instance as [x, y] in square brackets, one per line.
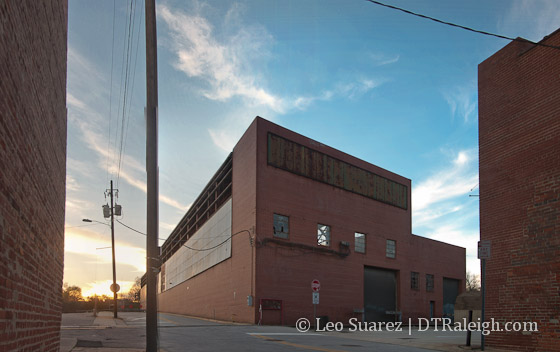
[283, 333]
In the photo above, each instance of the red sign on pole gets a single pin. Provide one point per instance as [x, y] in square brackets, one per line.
[315, 285]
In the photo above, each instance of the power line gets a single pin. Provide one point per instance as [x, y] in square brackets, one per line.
[115, 151]
[128, 227]
[111, 92]
[129, 34]
[184, 245]
[133, 82]
[462, 27]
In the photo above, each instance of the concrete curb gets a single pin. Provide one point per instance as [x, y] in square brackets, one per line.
[67, 343]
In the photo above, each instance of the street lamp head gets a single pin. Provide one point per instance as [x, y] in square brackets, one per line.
[86, 220]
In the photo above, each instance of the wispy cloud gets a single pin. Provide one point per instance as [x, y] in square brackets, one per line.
[88, 122]
[226, 136]
[71, 183]
[74, 102]
[141, 185]
[224, 64]
[357, 89]
[167, 226]
[225, 61]
[530, 19]
[83, 77]
[382, 59]
[85, 242]
[81, 168]
[454, 180]
[351, 90]
[463, 101]
[223, 139]
[441, 208]
[95, 142]
[75, 204]
[454, 232]
[229, 131]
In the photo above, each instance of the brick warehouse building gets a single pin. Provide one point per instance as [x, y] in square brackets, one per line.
[298, 211]
[519, 138]
[32, 172]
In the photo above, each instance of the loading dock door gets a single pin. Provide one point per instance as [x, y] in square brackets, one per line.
[380, 294]
[450, 293]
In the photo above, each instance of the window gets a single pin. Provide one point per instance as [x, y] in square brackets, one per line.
[429, 282]
[359, 242]
[323, 235]
[281, 226]
[391, 251]
[414, 280]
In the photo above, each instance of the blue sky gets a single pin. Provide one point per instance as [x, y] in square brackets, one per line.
[395, 90]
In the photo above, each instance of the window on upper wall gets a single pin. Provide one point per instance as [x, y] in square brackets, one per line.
[359, 242]
[391, 249]
[414, 277]
[429, 282]
[281, 226]
[323, 235]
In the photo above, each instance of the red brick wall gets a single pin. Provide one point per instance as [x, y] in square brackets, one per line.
[286, 274]
[519, 146]
[32, 172]
[221, 291]
[269, 272]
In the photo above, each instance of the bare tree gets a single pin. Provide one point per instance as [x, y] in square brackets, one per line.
[134, 292]
[72, 294]
[472, 282]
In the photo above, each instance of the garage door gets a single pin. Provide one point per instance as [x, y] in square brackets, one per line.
[450, 292]
[380, 294]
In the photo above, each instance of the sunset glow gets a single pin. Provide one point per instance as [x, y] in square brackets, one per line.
[104, 288]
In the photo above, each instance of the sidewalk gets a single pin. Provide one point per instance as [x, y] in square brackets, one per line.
[83, 340]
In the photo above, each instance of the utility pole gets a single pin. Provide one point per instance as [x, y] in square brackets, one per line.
[484, 252]
[114, 286]
[152, 219]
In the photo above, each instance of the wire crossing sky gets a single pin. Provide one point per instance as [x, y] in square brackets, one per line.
[462, 27]
[392, 89]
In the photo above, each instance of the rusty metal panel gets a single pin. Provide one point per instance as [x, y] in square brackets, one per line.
[307, 162]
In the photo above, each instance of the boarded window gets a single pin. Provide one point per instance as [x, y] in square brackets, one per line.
[429, 282]
[323, 235]
[304, 161]
[414, 277]
[391, 250]
[281, 226]
[359, 242]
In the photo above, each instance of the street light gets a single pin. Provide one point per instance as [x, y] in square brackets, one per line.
[114, 286]
[99, 222]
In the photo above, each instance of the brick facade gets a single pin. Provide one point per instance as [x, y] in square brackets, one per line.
[32, 172]
[519, 146]
[266, 267]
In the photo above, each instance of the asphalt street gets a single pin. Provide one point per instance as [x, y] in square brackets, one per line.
[83, 332]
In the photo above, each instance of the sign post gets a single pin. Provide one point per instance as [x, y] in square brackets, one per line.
[315, 298]
[483, 254]
[315, 287]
